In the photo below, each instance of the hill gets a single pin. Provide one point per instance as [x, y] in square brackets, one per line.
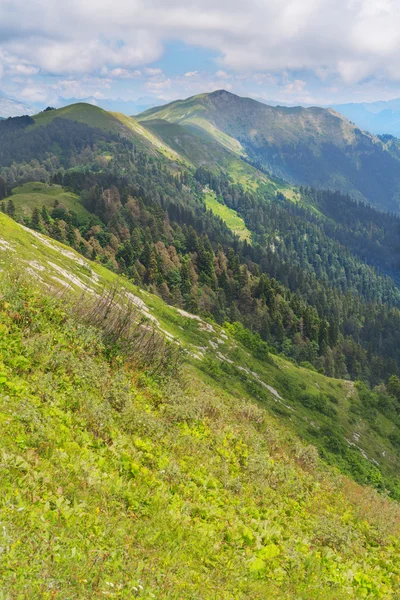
[157, 486]
[27, 197]
[355, 429]
[311, 146]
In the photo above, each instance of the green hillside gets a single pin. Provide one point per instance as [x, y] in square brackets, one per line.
[201, 152]
[71, 130]
[309, 146]
[27, 197]
[332, 414]
[125, 482]
[229, 216]
[111, 123]
[82, 113]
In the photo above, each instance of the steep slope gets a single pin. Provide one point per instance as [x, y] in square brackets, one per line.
[71, 130]
[312, 146]
[124, 483]
[353, 428]
[303, 283]
[97, 118]
[201, 152]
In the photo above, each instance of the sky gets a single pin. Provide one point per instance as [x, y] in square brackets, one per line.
[151, 51]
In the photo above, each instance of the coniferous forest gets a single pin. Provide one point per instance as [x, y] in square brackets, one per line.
[317, 283]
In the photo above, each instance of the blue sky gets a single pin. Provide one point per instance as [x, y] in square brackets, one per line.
[297, 51]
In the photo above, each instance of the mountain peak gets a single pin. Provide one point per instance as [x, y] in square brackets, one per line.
[221, 93]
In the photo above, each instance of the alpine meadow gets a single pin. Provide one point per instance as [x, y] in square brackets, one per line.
[199, 301]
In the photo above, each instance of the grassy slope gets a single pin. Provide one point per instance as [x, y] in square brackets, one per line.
[199, 151]
[90, 115]
[218, 357]
[30, 195]
[311, 146]
[114, 486]
[193, 114]
[172, 141]
[115, 123]
[231, 218]
[234, 116]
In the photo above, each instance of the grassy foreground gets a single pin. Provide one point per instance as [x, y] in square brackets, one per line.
[117, 482]
[121, 478]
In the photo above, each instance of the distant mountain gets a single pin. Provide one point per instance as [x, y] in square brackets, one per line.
[10, 107]
[377, 117]
[308, 146]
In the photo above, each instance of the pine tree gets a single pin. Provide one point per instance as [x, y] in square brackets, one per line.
[10, 208]
[36, 222]
[71, 235]
[45, 215]
[3, 188]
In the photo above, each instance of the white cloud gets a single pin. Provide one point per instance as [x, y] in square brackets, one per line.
[295, 87]
[119, 73]
[355, 39]
[157, 86]
[37, 94]
[153, 72]
[222, 75]
[20, 69]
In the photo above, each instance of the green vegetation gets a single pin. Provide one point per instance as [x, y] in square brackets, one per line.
[125, 483]
[35, 195]
[306, 285]
[198, 151]
[90, 115]
[229, 216]
[351, 430]
[304, 146]
[172, 322]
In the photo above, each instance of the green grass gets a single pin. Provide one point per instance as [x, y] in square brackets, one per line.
[227, 364]
[229, 216]
[193, 114]
[90, 115]
[116, 483]
[116, 123]
[30, 195]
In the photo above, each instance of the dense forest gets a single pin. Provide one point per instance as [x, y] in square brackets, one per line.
[306, 284]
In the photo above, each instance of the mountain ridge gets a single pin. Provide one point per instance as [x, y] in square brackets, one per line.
[195, 369]
[303, 145]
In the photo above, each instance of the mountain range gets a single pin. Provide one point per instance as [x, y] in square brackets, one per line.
[304, 146]
[381, 117]
[199, 353]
